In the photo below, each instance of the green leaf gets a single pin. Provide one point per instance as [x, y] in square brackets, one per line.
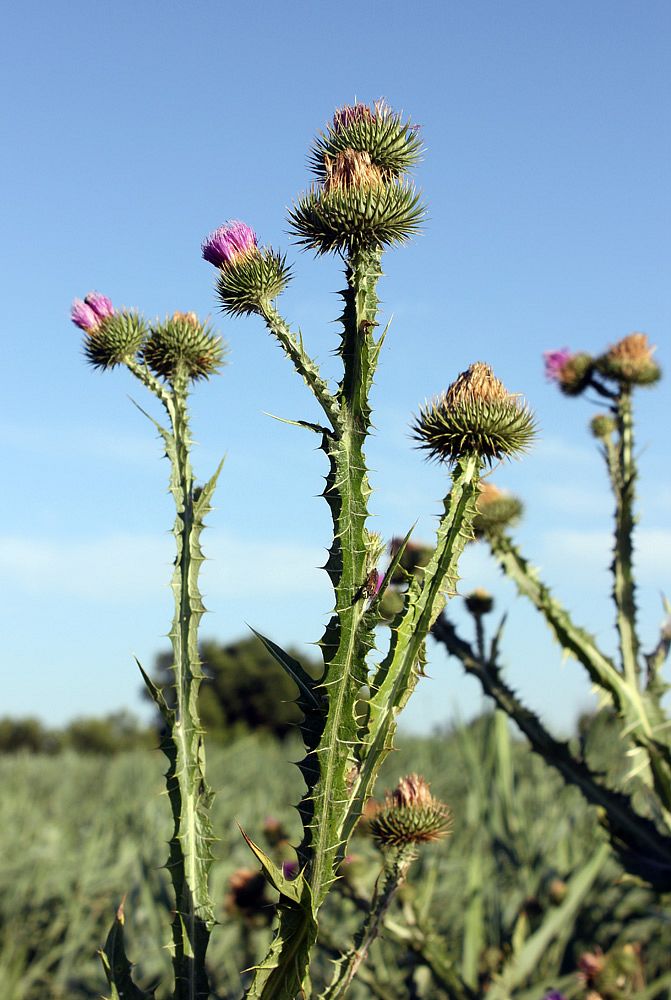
[294, 889]
[292, 667]
[116, 965]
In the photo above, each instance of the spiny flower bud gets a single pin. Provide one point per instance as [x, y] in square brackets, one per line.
[414, 558]
[182, 344]
[602, 426]
[630, 361]
[115, 340]
[495, 510]
[475, 416]
[393, 145]
[410, 815]
[357, 216]
[571, 372]
[479, 602]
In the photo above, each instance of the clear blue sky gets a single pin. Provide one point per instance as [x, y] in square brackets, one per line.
[133, 129]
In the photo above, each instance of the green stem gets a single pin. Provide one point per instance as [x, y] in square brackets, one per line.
[623, 578]
[190, 855]
[394, 875]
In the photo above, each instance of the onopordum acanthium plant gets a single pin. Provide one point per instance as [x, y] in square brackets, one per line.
[635, 803]
[167, 356]
[360, 203]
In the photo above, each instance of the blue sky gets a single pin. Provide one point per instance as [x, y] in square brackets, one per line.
[134, 129]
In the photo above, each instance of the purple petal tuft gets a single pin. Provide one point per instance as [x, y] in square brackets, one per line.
[229, 242]
[83, 316]
[554, 362]
[100, 304]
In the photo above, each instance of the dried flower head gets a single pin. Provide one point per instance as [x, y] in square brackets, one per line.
[229, 243]
[495, 510]
[350, 168]
[410, 815]
[475, 416]
[630, 361]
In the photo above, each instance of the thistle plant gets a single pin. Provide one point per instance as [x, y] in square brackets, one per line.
[360, 203]
[635, 800]
[167, 356]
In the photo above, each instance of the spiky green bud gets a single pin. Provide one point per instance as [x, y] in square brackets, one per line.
[251, 282]
[479, 602]
[183, 344]
[393, 145]
[475, 416]
[116, 340]
[410, 815]
[630, 361]
[356, 217]
[602, 426]
[495, 510]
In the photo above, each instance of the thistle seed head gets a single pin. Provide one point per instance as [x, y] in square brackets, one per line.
[475, 416]
[349, 169]
[630, 361]
[495, 510]
[410, 815]
[115, 340]
[183, 344]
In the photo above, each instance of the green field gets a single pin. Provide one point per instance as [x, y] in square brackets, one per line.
[80, 832]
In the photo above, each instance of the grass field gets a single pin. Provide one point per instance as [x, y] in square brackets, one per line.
[77, 833]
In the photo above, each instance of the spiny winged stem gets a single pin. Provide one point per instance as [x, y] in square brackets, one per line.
[391, 878]
[624, 482]
[190, 854]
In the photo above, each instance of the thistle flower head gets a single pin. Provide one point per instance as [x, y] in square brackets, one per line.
[479, 602]
[554, 995]
[495, 510]
[413, 559]
[351, 169]
[250, 282]
[229, 243]
[89, 312]
[182, 344]
[475, 416]
[630, 361]
[247, 897]
[393, 145]
[410, 815]
[554, 362]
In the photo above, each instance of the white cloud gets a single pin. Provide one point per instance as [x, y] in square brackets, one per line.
[591, 551]
[125, 567]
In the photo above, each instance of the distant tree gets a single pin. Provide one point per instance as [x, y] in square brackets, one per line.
[28, 736]
[112, 734]
[244, 689]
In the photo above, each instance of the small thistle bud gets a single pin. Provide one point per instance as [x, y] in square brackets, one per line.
[392, 602]
[495, 510]
[229, 243]
[630, 361]
[475, 416]
[183, 344]
[557, 890]
[410, 815]
[571, 372]
[602, 426]
[479, 602]
[115, 340]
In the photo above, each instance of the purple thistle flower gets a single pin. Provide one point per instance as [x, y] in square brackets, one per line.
[554, 362]
[83, 316]
[100, 304]
[351, 113]
[229, 242]
[554, 995]
[290, 869]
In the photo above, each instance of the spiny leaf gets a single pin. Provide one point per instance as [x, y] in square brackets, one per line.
[292, 667]
[116, 964]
